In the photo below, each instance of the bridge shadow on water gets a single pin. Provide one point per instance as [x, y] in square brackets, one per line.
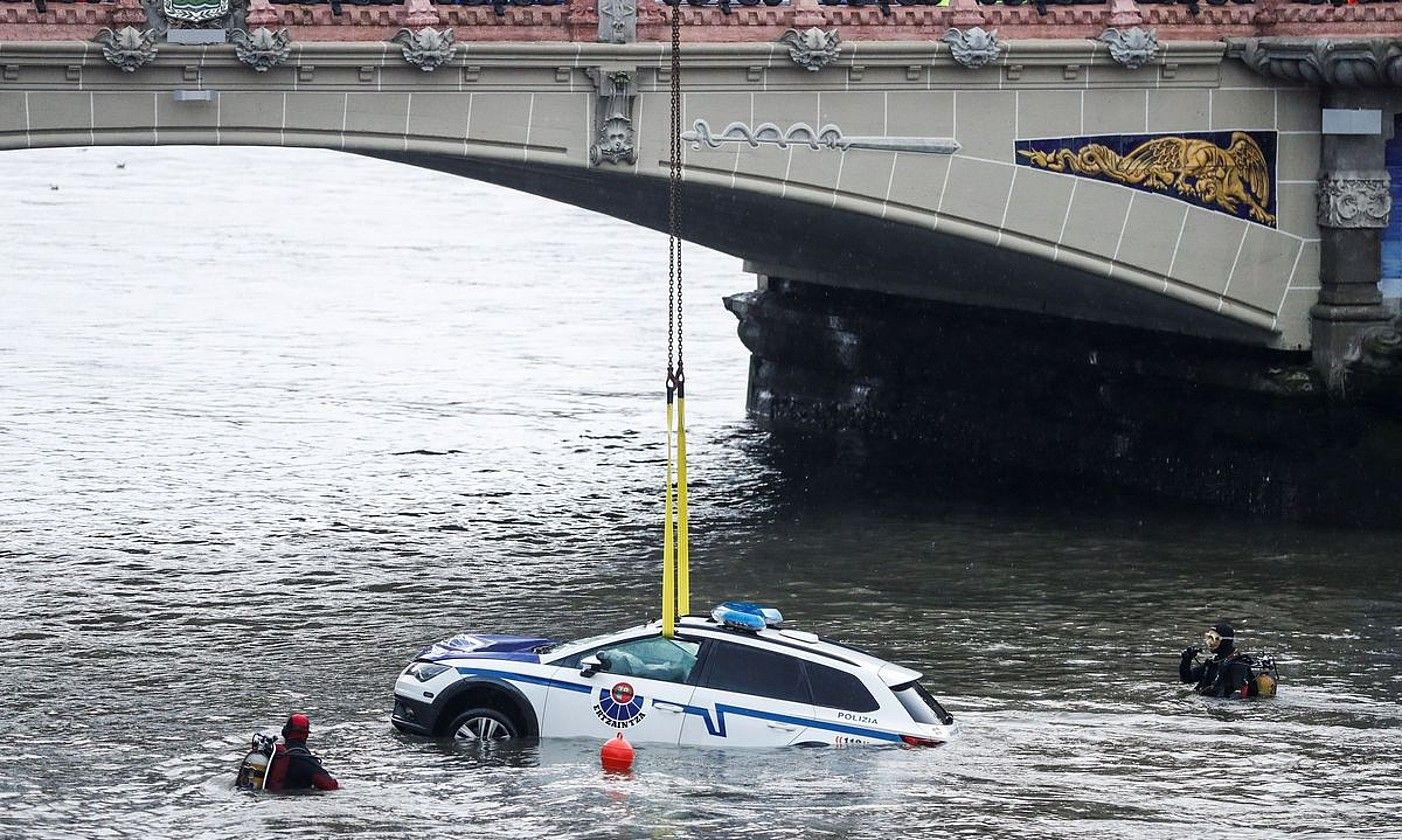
[948, 400]
[816, 472]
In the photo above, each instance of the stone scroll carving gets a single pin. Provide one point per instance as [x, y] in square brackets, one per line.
[1381, 348]
[802, 134]
[262, 48]
[1323, 61]
[1132, 48]
[127, 47]
[614, 139]
[1354, 200]
[427, 48]
[618, 21]
[812, 50]
[974, 47]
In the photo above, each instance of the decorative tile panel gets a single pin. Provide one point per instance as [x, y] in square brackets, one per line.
[1229, 172]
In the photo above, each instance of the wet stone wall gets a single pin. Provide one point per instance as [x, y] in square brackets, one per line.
[1023, 399]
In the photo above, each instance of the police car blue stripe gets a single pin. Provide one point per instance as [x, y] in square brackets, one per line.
[526, 678]
[718, 727]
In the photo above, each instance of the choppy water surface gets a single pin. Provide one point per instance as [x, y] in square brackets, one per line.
[270, 421]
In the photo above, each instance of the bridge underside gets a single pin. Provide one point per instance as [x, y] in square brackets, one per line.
[987, 363]
[935, 192]
[803, 241]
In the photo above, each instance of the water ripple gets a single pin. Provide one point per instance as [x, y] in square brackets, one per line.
[276, 434]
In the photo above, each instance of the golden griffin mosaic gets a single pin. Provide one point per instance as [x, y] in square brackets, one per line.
[1227, 172]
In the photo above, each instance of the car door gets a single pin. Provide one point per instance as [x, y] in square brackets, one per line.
[846, 711]
[623, 695]
[748, 696]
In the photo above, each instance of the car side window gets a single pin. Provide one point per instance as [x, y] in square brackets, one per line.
[836, 689]
[654, 657]
[749, 670]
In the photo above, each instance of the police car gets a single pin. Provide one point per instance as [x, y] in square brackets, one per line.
[733, 678]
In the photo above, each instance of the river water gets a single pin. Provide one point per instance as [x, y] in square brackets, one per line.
[272, 420]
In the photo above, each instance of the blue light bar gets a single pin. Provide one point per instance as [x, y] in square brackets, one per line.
[745, 615]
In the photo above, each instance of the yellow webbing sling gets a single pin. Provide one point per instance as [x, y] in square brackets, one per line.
[676, 578]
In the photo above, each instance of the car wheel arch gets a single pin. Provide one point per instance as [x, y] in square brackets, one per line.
[487, 693]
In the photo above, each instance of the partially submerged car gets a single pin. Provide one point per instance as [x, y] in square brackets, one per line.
[733, 678]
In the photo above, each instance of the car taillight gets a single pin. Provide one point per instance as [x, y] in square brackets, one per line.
[914, 741]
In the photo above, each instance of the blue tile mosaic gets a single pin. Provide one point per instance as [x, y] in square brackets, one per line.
[1229, 172]
[1392, 234]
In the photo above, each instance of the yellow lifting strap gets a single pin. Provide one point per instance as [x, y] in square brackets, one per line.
[676, 577]
[683, 538]
[669, 572]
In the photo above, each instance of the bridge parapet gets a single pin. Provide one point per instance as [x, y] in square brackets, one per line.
[577, 20]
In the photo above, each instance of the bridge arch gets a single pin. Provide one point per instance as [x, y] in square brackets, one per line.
[975, 227]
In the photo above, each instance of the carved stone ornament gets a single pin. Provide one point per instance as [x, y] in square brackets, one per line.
[427, 48]
[614, 136]
[1131, 47]
[262, 48]
[127, 48]
[1349, 201]
[801, 134]
[1323, 61]
[1381, 348]
[812, 50]
[164, 15]
[618, 21]
[195, 11]
[974, 47]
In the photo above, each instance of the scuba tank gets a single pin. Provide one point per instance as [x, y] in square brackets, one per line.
[253, 771]
[1264, 677]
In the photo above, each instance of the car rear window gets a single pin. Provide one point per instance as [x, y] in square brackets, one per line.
[836, 689]
[747, 670]
[923, 707]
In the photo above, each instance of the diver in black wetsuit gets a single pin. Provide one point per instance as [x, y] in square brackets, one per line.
[1226, 674]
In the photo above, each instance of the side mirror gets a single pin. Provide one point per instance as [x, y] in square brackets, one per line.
[589, 665]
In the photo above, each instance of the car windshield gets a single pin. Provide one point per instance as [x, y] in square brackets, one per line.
[577, 644]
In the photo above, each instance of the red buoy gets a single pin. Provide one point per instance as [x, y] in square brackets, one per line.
[617, 755]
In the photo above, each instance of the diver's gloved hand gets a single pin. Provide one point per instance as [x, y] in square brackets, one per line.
[1191, 652]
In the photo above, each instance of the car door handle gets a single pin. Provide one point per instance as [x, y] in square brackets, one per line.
[783, 727]
[673, 709]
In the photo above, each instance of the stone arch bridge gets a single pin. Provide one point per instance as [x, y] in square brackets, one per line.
[1208, 191]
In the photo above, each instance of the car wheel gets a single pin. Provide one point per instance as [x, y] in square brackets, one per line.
[486, 725]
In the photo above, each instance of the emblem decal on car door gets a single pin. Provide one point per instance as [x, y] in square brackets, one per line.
[619, 707]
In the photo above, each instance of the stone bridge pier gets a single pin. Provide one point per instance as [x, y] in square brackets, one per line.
[1310, 430]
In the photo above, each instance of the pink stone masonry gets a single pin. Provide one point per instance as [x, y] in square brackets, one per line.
[577, 20]
[261, 13]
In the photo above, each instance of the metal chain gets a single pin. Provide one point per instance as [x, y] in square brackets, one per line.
[674, 188]
[671, 242]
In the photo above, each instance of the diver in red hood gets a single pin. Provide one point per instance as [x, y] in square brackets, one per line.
[293, 766]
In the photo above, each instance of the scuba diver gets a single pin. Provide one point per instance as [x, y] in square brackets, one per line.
[286, 766]
[1229, 672]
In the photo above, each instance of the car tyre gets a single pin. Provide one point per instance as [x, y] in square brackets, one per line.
[483, 725]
